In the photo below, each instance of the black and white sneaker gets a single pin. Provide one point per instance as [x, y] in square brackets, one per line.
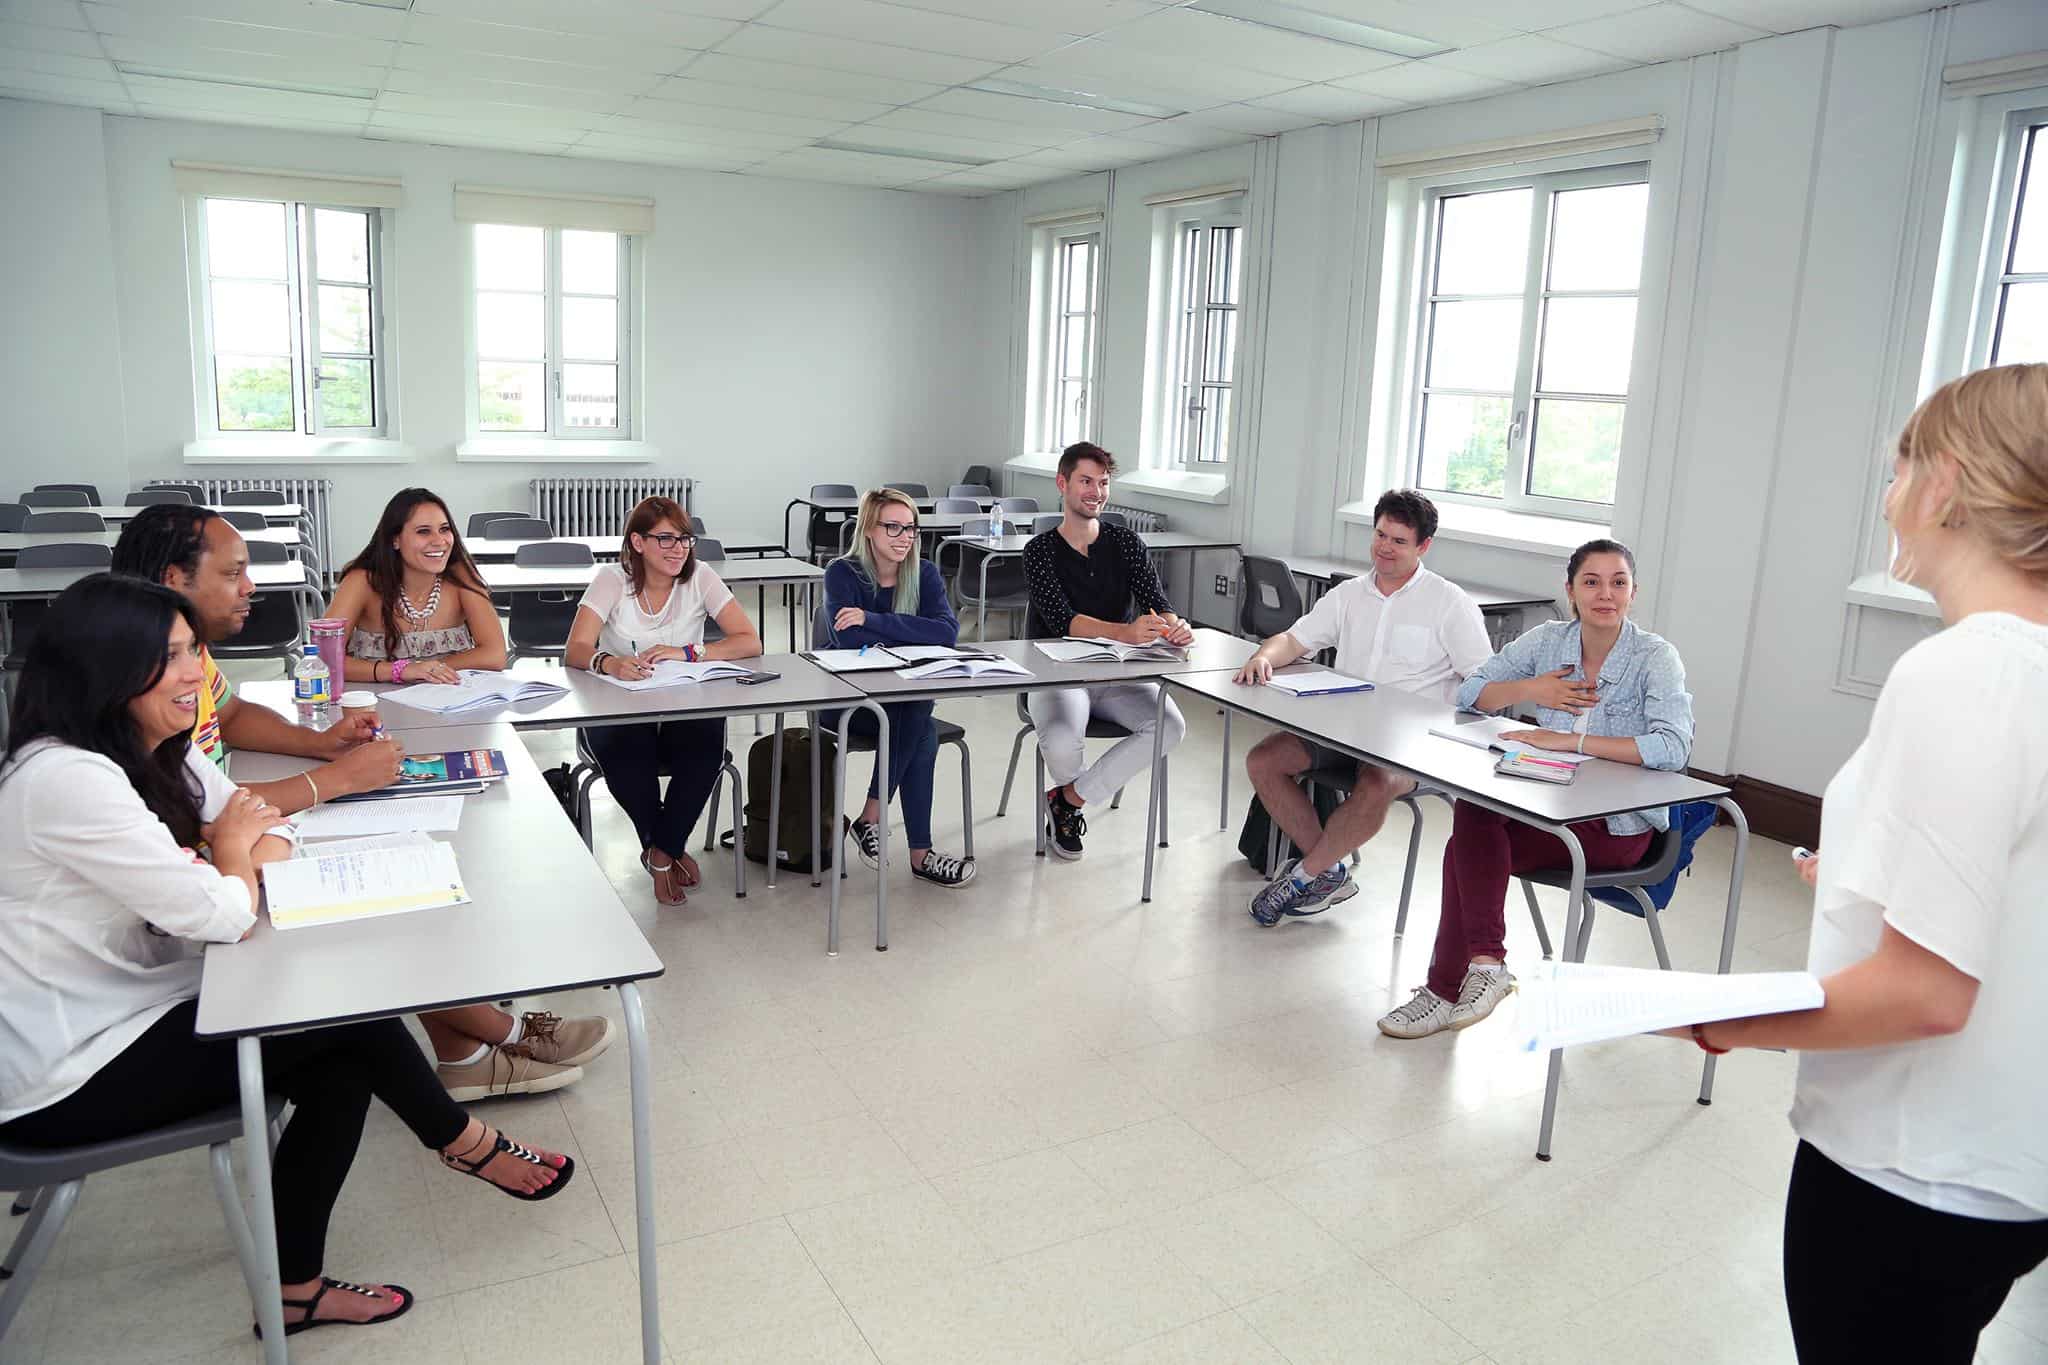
[944, 869]
[868, 839]
[1064, 825]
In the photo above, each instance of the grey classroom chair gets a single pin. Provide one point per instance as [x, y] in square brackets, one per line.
[1270, 601]
[540, 621]
[62, 555]
[244, 520]
[192, 491]
[42, 523]
[822, 537]
[12, 514]
[1112, 519]
[1043, 522]
[585, 774]
[1008, 592]
[712, 551]
[253, 497]
[1658, 862]
[1018, 507]
[915, 490]
[91, 491]
[957, 507]
[276, 626]
[157, 497]
[56, 497]
[479, 520]
[1340, 779]
[970, 490]
[979, 473]
[55, 1175]
[518, 528]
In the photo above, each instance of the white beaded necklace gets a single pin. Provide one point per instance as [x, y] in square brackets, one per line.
[421, 615]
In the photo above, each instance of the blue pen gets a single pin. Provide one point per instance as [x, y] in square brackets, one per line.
[863, 652]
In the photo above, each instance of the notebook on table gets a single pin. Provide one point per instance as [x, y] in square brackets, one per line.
[1536, 765]
[679, 672]
[1316, 682]
[462, 773]
[361, 879]
[967, 666]
[1090, 648]
[1484, 732]
[480, 688]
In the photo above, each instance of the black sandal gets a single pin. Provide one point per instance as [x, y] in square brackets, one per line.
[307, 1323]
[505, 1144]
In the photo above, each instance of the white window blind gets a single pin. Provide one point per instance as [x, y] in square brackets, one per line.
[549, 209]
[1996, 76]
[1064, 218]
[1525, 147]
[214, 181]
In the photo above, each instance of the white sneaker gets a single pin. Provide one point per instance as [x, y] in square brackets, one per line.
[1479, 993]
[1423, 1015]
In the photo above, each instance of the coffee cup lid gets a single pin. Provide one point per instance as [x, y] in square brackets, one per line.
[358, 698]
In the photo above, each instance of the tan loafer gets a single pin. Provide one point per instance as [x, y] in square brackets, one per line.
[562, 1042]
[504, 1072]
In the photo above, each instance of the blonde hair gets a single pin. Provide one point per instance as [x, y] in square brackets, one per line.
[1993, 425]
[862, 557]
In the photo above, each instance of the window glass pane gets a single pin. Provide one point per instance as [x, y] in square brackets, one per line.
[1219, 346]
[1215, 437]
[1080, 262]
[590, 262]
[245, 238]
[2030, 232]
[251, 317]
[1483, 243]
[1073, 413]
[1473, 345]
[1586, 345]
[1223, 273]
[511, 397]
[1597, 237]
[1074, 348]
[344, 319]
[1465, 444]
[344, 393]
[511, 325]
[508, 257]
[1576, 449]
[590, 395]
[590, 329]
[342, 242]
[2023, 326]
[254, 393]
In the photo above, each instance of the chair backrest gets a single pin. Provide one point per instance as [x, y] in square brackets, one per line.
[916, 490]
[253, 497]
[91, 491]
[1005, 572]
[190, 490]
[822, 634]
[243, 520]
[553, 553]
[518, 528]
[1669, 855]
[834, 490]
[696, 526]
[55, 497]
[1018, 507]
[974, 526]
[269, 552]
[1112, 518]
[156, 497]
[64, 555]
[1043, 522]
[1271, 601]
[273, 625]
[710, 550]
[12, 515]
[41, 523]
[957, 507]
[979, 473]
[479, 520]
[970, 490]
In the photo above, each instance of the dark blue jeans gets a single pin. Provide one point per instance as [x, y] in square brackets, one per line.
[913, 753]
[633, 758]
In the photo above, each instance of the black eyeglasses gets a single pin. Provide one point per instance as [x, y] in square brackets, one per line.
[896, 530]
[668, 540]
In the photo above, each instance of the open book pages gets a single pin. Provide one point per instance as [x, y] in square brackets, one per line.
[967, 667]
[1567, 1003]
[924, 654]
[1315, 682]
[676, 672]
[1077, 649]
[479, 688]
[1485, 733]
[399, 815]
[352, 879]
[857, 660]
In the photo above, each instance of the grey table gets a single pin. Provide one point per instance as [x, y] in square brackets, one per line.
[13, 542]
[1391, 729]
[483, 550]
[1010, 546]
[849, 506]
[277, 513]
[796, 576]
[542, 918]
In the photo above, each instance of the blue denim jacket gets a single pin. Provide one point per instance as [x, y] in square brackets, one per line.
[1642, 697]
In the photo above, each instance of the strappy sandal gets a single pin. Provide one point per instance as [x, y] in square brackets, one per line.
[308, 1322]
[505, 1144]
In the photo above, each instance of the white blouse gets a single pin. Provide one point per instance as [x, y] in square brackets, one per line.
[625, 628]
[86, 870]
[1938, 827]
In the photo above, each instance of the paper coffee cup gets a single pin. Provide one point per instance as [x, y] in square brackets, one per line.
[358, 701]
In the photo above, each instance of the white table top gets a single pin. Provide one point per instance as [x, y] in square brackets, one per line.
[924, 504]
[482, 550]
[34, 583]
[11, 541]
[503, 577]
[1392, 727]
[542, 917]
[1489, 598]
[1212, 650]
[274, 513]
[1153, 540]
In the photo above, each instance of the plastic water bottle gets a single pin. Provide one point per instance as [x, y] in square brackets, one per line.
[995, 522]
[312, 687]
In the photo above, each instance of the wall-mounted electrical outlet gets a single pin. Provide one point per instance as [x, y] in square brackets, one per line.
[1224, 587]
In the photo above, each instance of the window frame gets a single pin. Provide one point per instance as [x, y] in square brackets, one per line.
[626, 302]
[1046, 338]
[1190, 313]
[1535, 294]
[2017, 132]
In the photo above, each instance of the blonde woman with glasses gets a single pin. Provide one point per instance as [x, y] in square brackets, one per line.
[1920, 1188]
[885, 593]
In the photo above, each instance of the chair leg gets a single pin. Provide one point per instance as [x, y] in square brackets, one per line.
[966, 801]
[739, 835]
[1016, 750]
[1223, 803]
[1038, 795]
[1164, 788]
[1408, 872]
[32, 1246]
[1542, 934]
[24, 1200]
[1585, 928]
[232, 1214]
[1116, 802]
[711, 812]
[1649, 910]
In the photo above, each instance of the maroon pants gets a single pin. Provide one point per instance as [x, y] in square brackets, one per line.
[1484, 851]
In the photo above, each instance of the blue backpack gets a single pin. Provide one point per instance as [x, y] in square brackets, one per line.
[1688, 822]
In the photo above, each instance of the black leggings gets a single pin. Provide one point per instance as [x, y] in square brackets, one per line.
[634, 757]
[329, 1074]
[1870, 1276]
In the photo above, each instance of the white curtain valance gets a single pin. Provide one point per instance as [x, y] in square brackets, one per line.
[1512, 151]
[1065, 218]
[308, 187]
[1195, 196]
[549, 208]
[1996, 76]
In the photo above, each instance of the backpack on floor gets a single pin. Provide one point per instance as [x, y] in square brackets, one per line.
[1258, 827]
[792, 839]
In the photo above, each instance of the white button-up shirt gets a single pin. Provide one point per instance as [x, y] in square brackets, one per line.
[1424, 637]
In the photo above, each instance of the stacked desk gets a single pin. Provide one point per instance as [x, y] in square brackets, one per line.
[1500, 606]
[796, 577]
[1012, 546]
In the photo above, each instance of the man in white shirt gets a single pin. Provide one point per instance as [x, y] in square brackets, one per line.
[1400, 626]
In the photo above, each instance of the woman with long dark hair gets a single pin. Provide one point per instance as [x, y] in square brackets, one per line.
[417, 607]
[115, 856]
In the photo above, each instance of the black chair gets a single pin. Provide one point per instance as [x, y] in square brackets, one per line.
[1003, 588]
[12, 514]
[518, 528]
[915, 490]
[696, 526]
[276, 626]
[43, 523]
[63, 555]
[979, 473]
[1018, 507]
[91, 491]
[253, 497]
[822, 538]
[479, 520]
[1112, 519]
[585, 774]
[540, 621]
[243, 520]
[191, 490]
[56, 497]
[1269, 601]
[970, 490]
[157, 497]
[1043, 522]
[269, 552]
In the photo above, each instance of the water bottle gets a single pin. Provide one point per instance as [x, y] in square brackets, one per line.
[995, 522]
[312, 687]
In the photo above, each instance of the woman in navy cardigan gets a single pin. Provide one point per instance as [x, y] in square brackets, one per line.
[883, 593]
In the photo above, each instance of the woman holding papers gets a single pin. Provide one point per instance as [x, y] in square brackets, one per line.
[884, 593]
[1599, 686]
[1920, 1189]
[651, 606]
[116, 857]
[417, 608]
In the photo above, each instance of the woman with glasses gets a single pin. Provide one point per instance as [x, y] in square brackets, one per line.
[651, 606]
[884, 593]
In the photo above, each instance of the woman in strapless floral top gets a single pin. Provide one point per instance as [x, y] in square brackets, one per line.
[417, 608]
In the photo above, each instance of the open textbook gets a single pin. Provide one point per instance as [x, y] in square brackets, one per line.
[480, 688]
[1567, 1003]
[967, 666]
[462, 772]
[399, 815]
[677, 672]
[1089, 648]
[1484, 732]
[360, 879]
[1315, 682]
[873, 658]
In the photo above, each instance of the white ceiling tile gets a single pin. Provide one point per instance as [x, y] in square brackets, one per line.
[1104, 70]
[923, 29]
[40, 38]
[670, 153]
[976, 179]
[507, 40]
[1193, 35]
[248, 67]
[1083, 157]
[1186, 134]
[1532, 15]
[48, 13]
[44, 85]
[332, 127]
[845, 54]
[987, 130]
[1437, 22]
[309, 16]
[1790, 16]
[1655, 34]
[1016, 109]
[1530, 59]
[521, 71]
[684, 89]
[149, 29]
[1330, 103]
[923, 140]
[701, 135]
[1245, 118]
[529, 146]
[951, 191]
[60, 64]
[1067, 16]
[811, 80]
[589, 18]
[712, 116]
[401, 82]
[243, 99]
[1424, 83]
[564, 129]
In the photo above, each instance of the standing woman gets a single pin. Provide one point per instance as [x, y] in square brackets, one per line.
[1599, 685]
[651, 606]
[884, 593]
[1920, 1189]
[417, 608]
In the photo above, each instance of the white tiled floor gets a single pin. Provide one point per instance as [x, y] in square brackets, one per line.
[1054, 1124]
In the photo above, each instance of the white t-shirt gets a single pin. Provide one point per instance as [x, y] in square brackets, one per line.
[1425, 638]
[1938, 826]
[626, 629]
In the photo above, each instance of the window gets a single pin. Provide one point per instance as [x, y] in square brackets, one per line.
[550, 331]
[1207, 289]
[293, 318]
[2018, 316]
[1072, 292]
[1526, 332]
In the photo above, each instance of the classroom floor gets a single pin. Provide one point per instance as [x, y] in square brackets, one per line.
[1054, 1124]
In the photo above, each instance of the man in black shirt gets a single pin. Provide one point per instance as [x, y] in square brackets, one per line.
[1095, 581]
